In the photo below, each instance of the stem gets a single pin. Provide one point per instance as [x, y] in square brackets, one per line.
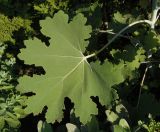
[146, 62]
[120, 32]
[89, 56]
[141, 85]
[151, 23]
[155, 9]
[5, 87]
[113, 33]
[104, 14]
[158, 17]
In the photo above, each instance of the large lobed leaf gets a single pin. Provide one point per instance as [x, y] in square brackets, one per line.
[68, 74]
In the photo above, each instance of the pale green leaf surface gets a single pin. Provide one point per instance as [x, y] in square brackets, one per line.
[124, 124]
[132, 58]
[111, 116]
[72, 128]
[68, 74]
[139, 57]
[118, 128]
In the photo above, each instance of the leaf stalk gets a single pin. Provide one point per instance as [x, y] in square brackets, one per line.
[141, 85]
[119, 34]
[155, 10]
[151, 22]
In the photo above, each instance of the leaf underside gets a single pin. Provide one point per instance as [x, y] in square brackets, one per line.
[68, 74]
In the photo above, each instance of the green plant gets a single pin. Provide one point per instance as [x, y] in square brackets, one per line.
[67, 71]
[113, 54]
[154, 126]
[8, 26]
[67, 50]
[11, 102]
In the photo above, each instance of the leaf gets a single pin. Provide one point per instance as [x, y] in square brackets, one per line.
[118, 128]
[19, 112]
[139, 57]
[118, 17]
[12, 122]
[128, 53]
[71, 128]
[132, 58]
[111, 116]
[44, 127]
[2, 122]
[8, 26]
[93, 13]
[93, 125]
[120, 20]
[124, 124]
[68, 74]
[39, 126]
[151, 41]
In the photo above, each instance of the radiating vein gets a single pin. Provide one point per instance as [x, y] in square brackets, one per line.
[63, 56]
[73, 69]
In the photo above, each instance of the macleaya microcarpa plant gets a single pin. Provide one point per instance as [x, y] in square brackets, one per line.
[68, 73]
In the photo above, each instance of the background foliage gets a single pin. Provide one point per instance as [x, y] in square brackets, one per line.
[136, 108]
